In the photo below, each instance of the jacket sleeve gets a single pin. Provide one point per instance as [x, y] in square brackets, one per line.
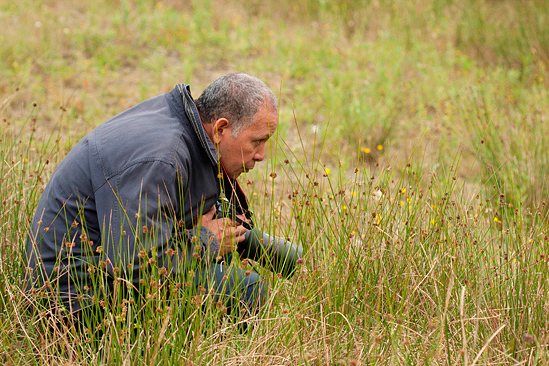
[138, 212]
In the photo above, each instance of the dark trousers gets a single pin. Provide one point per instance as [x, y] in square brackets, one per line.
[241, 290]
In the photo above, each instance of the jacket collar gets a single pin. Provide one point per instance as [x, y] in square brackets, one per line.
[196, 122]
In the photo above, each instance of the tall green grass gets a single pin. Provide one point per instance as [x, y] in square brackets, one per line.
[410, 163]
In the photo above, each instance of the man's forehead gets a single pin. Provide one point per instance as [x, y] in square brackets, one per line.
[269, 116]
[270, 113]
[264, 129]
[271, 126]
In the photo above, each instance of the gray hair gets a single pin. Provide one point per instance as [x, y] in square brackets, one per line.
[236, 97]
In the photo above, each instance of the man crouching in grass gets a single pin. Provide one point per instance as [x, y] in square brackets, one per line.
[130, 211]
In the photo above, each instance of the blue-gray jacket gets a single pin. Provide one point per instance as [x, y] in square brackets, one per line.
[127, 198]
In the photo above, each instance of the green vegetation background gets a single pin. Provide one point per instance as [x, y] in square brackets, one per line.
[411, 162]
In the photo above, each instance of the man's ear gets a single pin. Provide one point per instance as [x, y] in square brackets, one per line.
[221, 128]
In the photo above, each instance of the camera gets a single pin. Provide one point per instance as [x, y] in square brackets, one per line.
[276, 254]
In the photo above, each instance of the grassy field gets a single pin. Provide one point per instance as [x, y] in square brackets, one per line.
[410, 162]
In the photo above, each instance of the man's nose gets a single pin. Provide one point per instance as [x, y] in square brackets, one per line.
[260, 154]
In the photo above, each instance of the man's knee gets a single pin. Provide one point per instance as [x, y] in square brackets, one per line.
[239, 288]
[256, 292]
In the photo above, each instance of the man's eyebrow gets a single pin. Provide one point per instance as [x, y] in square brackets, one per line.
[266, 137]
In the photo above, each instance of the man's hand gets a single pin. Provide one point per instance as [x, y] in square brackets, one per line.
[226, 231]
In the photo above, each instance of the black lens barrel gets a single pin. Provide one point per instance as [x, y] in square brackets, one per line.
[278, 255]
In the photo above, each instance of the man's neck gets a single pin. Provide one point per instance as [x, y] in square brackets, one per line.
[208, 129]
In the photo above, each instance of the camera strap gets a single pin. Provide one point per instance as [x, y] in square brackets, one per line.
[235, 194]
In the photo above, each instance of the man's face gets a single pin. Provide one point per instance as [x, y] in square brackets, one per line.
[239, 154]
